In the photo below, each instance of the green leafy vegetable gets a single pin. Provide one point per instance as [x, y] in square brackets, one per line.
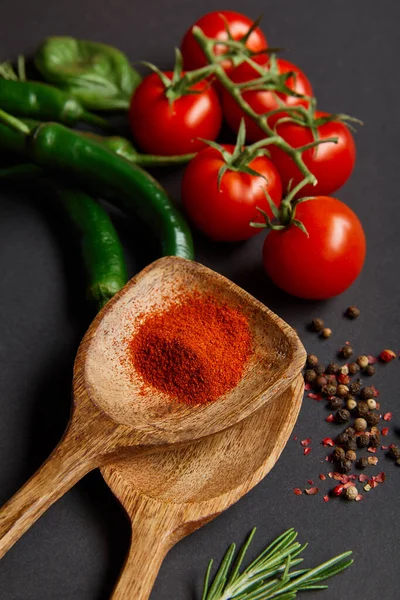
[269, 575]
[98, 75]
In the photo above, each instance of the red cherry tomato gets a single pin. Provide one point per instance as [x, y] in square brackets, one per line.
[324, 264]
[332, 164]
[263, 101]
[166, 128]
[225, 213]
[213, 25]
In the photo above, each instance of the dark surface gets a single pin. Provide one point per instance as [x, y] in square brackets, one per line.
[350, 51]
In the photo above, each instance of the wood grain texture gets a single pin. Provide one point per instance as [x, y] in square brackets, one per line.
[112, 417]
[170, 494]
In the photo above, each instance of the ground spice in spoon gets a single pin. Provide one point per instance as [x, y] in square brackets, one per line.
[195, 351]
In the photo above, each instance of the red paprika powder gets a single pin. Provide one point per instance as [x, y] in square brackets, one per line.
[195, 351]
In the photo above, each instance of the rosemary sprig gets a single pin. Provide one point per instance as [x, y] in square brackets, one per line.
[269, 575]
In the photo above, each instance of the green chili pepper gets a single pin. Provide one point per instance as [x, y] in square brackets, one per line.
[98, 75]
[101, 248]
[121, 146]
[102, 173]
[42, 101]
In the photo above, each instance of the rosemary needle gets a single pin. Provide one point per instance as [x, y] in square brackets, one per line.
[269, 575]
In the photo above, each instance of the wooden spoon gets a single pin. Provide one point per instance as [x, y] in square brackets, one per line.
[111, 416]
[174, 492]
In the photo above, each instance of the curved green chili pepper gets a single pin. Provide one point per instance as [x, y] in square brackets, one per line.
[101, 248]
[105, 174]
[121, 146]
[44, 102]
[98, 75]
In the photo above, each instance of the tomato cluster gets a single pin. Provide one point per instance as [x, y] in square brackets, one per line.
[317, 248]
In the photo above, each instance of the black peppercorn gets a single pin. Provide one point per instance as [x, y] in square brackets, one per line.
[394, 452]
[342, 415]
[342, 438]
[335, 402]
[332, 368]
[319, 369]
[352, 312]
[374, 440]
[351, 455]
[338, 454]
[326, 333]
[342, 390]
[362, 463]
[317, 325]
[355, 387]
[372, 418]
[353, 368]
[345, 466]
[363, 440]
[367, 392]
[329, 389]
[362, 409]
[312, 360]
[321, 381]
[370, 370]
[346, 351]
[310, 376]
[351, 444]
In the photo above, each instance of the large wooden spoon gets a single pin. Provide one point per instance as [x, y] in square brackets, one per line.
[111, 416]
[172, 493]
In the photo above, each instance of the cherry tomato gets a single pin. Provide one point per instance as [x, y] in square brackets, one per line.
[225, 213]
[213, 25]
[332, 164]
[166, 128]
[263, 101]
[324, 264]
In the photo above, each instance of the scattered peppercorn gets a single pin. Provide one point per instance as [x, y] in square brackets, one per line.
[346, 351]
[312, 360]
[332, 368]
[372, 418]
[394, 452]
[344, 370]
[326, 333]
[342, 438]
[317, 325]
[370, 370]
[351, 444]
[351, 492]
[363, 440]
[351, 404]
[342, 415]
[362, 463]
[329, 389]
[321, 381]
[319, 369]
[352, 312]
[342, 390]
[374, 440]
[360, 424]
[345, 466]
[331, 379]
[351, 455]
[310, 376]
[353, 368]
[350, 431]
[335, 402]
[387, 355]
[338, 490]
[338, 454]
[371, 403]
[362, 361]
[367, 392]
[362, 409]
[355, 387]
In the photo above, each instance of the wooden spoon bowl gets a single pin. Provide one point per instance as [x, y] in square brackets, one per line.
[112, 417]
[171, 493]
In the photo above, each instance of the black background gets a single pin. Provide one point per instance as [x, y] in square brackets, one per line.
[350, 51]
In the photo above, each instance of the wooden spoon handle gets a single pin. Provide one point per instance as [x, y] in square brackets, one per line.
[153, 527]
[67, 464]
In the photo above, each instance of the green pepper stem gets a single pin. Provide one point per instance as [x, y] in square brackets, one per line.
[149, 160]
[14, 123]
